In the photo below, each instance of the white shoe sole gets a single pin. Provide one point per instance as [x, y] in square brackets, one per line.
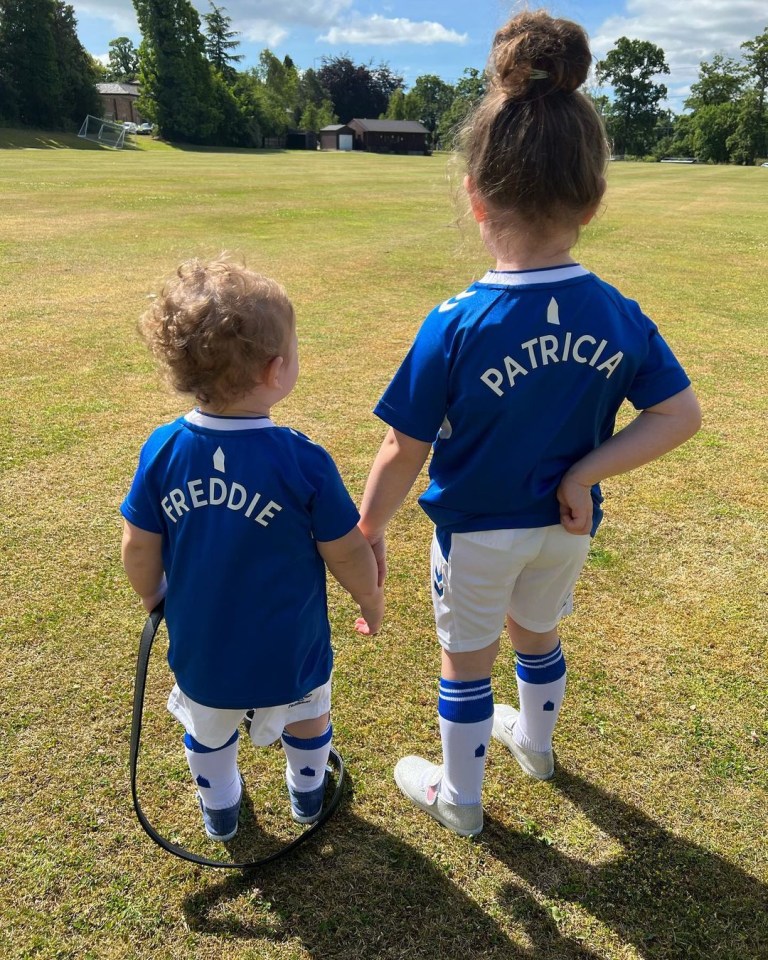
[466, 821]
[540, 766]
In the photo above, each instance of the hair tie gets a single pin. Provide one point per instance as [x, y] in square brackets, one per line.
[539, 75]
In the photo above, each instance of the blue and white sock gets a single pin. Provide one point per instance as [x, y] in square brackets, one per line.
[214, 770]
[541, 688]
[305, 760]
[466, 720]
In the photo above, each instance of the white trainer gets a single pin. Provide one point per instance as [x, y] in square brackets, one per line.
[538, 765]
[420, 782]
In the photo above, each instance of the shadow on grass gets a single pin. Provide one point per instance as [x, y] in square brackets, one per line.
[670, 898]
[355, 892]
[201, 148]
[53, 142]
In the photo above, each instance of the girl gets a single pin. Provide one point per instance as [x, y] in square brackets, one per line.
[515, 383]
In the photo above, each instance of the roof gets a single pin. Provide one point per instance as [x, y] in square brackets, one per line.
[390, 126]
[334, 127]
[124, 89]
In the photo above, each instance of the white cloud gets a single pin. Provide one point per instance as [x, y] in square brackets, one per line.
[282, 13]
[381, 30]
[119, 13]
[262, 31]
[266, 21]
[687, 32]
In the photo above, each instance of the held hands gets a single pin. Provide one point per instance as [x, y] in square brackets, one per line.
[379, 547]
[372, 614]
[369, 623]
[575, 505]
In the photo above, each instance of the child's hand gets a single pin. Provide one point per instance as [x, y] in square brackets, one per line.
[372, 614]
[575, 506]
[379, 547]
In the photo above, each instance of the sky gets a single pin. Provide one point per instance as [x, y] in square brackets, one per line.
[444, 37]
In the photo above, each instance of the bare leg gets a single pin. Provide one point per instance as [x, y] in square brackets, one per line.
[526, 641]
[476, 665]
[306, 729]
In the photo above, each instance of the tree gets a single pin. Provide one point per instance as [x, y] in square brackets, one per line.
[428, 100]
[178, 90]
[675, 136]
[30, 63]
[47, 79]
[712, 127]
[311, 90]
[123, 60]
[220, 41]
[468, 92]
[397, 107]
[281, 80]
[98, 69]
[77, 76]
[747, 142]
[264, 114]
[629, 69]
[315, 117]
[756, 58]
[720, 81]
[357, 90]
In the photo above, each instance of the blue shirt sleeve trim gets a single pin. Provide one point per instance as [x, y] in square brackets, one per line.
[392, 417]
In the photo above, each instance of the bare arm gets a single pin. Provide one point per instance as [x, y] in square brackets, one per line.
[394, 472]
[654, 432]
[351, 561]
[143, 562]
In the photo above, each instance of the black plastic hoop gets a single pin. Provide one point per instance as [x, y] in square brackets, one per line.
[145, 647]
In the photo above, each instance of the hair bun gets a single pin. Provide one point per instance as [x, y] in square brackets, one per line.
[537, 54]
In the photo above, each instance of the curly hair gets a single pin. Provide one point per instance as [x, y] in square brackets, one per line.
[214, 328]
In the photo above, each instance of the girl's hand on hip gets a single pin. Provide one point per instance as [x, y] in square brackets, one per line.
[576, 506]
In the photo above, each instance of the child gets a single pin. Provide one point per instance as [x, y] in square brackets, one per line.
[515, 383]
[240, 517]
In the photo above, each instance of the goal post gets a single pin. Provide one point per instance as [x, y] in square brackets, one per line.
[105, 132]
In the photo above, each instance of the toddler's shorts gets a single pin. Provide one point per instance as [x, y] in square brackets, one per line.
[213, 726]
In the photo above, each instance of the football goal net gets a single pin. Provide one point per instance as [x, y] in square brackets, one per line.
[105, 132]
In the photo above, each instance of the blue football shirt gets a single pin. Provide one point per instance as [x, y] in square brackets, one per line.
[514, 380]
[240, 504]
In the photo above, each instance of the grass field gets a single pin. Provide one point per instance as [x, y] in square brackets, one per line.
[650, 841]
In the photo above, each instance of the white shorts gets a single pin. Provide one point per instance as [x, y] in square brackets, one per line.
[212, 726]
[528, 574]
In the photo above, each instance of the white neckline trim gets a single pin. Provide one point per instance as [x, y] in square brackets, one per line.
[526, 278]
[199, 419]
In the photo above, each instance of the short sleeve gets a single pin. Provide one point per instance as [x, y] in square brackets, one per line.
[332, 509]
[660, 376]
[416, 400]
[137, 508]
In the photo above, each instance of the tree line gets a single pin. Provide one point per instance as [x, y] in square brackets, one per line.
[193, 89]
[47, 78]
[726, 120]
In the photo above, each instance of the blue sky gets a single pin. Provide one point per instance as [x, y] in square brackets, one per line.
[445, 36]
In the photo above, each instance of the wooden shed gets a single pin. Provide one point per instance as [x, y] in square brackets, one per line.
[390, 136]
[338, 136]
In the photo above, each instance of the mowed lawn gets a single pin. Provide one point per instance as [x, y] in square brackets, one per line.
[650, 841]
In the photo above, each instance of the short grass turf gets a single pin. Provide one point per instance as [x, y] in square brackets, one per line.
[649, 842]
